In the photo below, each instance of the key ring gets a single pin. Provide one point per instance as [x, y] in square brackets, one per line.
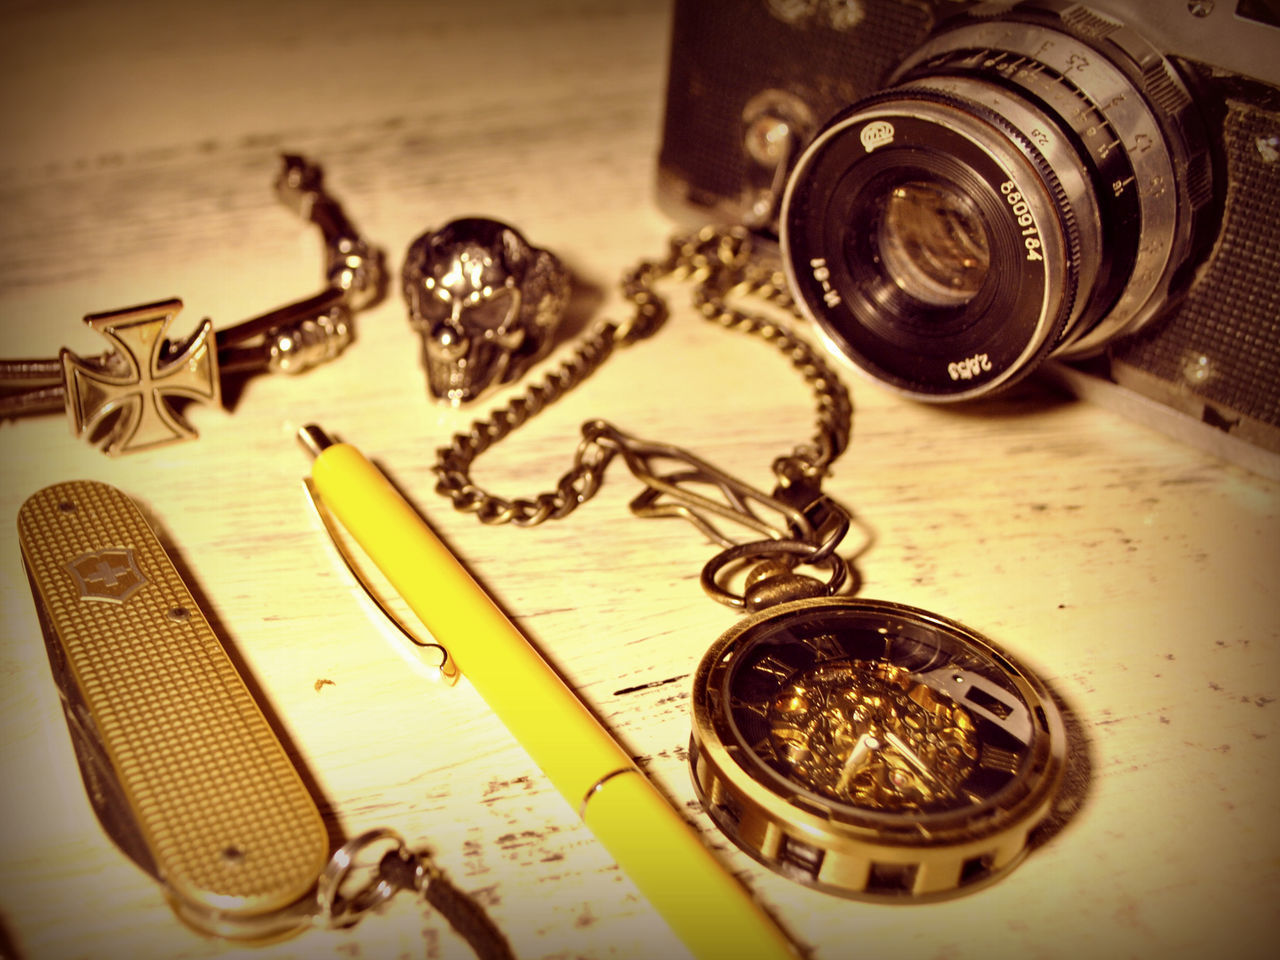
[399, 868]
[396, 869]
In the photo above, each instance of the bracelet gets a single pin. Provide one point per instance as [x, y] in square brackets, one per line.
[123, 399]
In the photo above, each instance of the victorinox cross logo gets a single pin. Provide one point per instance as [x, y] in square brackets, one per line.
[111, 575]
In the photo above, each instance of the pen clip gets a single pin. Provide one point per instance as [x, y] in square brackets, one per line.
[446, 668]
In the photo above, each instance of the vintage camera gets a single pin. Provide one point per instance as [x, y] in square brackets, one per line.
[963, 191]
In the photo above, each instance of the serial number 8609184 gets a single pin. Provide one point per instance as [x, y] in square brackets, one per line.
[1022, 213]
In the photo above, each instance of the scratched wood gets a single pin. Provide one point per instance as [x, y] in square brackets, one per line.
[1135, 574]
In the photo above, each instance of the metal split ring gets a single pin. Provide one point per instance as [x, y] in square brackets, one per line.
[398, 868]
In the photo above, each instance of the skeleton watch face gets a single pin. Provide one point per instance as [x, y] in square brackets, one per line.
[872, 749]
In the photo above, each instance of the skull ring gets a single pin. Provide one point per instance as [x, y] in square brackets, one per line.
[485, 303]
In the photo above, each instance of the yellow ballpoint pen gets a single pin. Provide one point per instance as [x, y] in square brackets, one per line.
[703, 903]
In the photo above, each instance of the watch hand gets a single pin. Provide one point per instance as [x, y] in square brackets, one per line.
[858, 758]
[896, 742]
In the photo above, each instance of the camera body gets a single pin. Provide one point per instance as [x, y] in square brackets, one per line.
[965, 193]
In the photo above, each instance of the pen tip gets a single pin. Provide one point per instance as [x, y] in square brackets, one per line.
[314, 440]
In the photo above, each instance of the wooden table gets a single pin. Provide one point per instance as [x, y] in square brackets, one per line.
[1136, 574]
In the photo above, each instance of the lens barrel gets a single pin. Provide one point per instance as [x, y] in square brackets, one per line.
[1028, 186]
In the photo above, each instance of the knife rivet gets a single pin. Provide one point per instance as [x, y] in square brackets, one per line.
[233, 854]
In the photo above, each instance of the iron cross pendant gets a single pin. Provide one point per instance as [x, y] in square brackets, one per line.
[128, 394]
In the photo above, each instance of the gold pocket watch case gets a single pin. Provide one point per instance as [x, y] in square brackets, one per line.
[873, 750]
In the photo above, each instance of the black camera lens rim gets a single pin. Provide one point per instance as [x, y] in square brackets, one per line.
[946, 353]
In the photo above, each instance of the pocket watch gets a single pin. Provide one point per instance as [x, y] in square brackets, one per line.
[872, 749]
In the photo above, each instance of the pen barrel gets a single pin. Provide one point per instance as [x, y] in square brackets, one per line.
[652, 843]
[700, 900]
[556, 729]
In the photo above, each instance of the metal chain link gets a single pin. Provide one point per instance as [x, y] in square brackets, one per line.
[720, 264]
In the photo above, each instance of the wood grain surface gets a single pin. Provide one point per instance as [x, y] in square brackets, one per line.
[1137, 575]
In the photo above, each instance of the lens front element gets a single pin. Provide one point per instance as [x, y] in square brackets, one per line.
[932, 242]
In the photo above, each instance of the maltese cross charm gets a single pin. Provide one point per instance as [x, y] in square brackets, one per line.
[133, 386]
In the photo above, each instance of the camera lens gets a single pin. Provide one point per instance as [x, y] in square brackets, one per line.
[932, 242]
[1024, 188]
